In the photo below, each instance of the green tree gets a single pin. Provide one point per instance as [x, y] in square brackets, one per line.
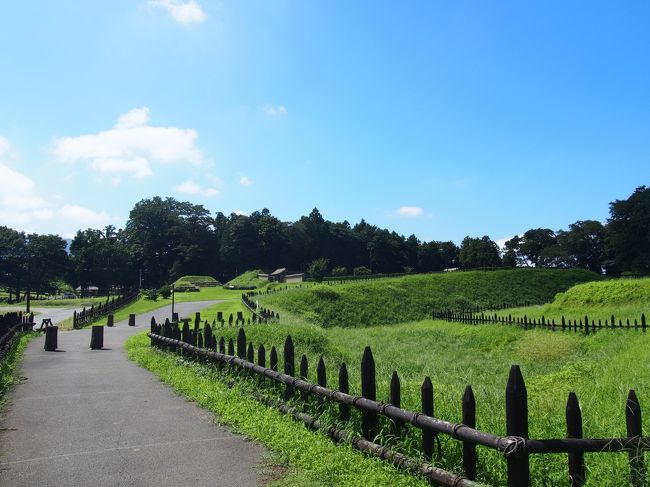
[13, 261]
[628, 232]
[47, 261]
[479, 252]
[317, 269]
[584, 245]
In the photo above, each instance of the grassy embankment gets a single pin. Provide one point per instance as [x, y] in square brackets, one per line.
[600, 368]
[455, 355]
[395, 300]
[623, 298]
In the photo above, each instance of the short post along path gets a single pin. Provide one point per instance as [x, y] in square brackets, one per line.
[92, 417]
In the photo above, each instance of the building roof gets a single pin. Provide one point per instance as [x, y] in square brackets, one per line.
[279, 271]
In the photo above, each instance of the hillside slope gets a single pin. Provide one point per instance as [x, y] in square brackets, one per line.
[389, 301]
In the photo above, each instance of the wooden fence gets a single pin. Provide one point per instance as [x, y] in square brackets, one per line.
[11, 325]
[517, 447]
[259, 313]
[88, 315]
[584, 325]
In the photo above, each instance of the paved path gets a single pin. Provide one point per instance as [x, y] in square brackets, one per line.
[94, 418]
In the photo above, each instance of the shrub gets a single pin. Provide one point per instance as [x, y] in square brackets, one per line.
[361, 271]
[339, 271]
[317, 269]
[165, 291]
[150, 294]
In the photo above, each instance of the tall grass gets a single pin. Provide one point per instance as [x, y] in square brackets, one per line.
[395, 300]
[600, 368]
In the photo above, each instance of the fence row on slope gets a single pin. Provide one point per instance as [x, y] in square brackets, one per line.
[88, 315]
[259, 313]
[517, 447]
[584, 325]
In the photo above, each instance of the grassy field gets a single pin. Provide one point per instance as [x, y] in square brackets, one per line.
[60, 303]
[394, 300]
[600, 367]
[248, 278]
[623, 298]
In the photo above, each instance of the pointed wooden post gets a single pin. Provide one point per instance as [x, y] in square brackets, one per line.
[395, 399]
[289, 364]
[321, 376]
[344, 386]
[231, 347]
[469, 419]
[304, 374]
[574, 430]
[427, 408]
[274, 359]
[250, 353]
[517, 425]
[241, 343]
[369, 391]
[634, 429]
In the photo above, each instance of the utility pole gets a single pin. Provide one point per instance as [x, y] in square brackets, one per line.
[173, 300]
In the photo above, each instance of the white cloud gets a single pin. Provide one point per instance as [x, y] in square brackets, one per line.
[240, 212]
[182, 12]
[137, 117]
[22, 208]
[409, 212]
[245, 181]
[190, 187]
[139, 167]
[17, 191]
[83, 217]
[278, 111]
[130, 147]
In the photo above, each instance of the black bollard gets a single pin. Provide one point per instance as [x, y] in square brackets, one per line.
[97, 337]
[110, 320]
[51, 338]
[131, 320]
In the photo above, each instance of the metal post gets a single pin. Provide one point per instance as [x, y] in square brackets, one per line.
[173, 300]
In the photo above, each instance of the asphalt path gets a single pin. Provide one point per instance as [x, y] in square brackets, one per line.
[82, 417]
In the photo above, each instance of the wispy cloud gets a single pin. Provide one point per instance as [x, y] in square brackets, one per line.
[189, 12]
[240, 212]
[21, 207]
[245, 181]
[131, 146]
[408, 212]
[275, 111]
[190, 187]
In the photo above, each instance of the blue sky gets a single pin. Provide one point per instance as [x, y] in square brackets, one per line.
[441, 119]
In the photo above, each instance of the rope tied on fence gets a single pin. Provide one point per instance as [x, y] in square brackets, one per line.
[515, 445]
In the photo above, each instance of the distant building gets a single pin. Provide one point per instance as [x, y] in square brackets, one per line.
[281, 275]
[88, 290]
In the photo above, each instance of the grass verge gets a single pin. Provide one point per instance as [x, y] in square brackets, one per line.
[11, 362]
[309, 458]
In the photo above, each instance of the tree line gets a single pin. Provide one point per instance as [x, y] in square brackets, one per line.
[164, 239]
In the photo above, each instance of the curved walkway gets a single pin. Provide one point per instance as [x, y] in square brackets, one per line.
[85, 417]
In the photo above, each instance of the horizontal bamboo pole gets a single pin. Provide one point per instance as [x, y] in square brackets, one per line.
[438, 475]
[455, 430]
[592, 445]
